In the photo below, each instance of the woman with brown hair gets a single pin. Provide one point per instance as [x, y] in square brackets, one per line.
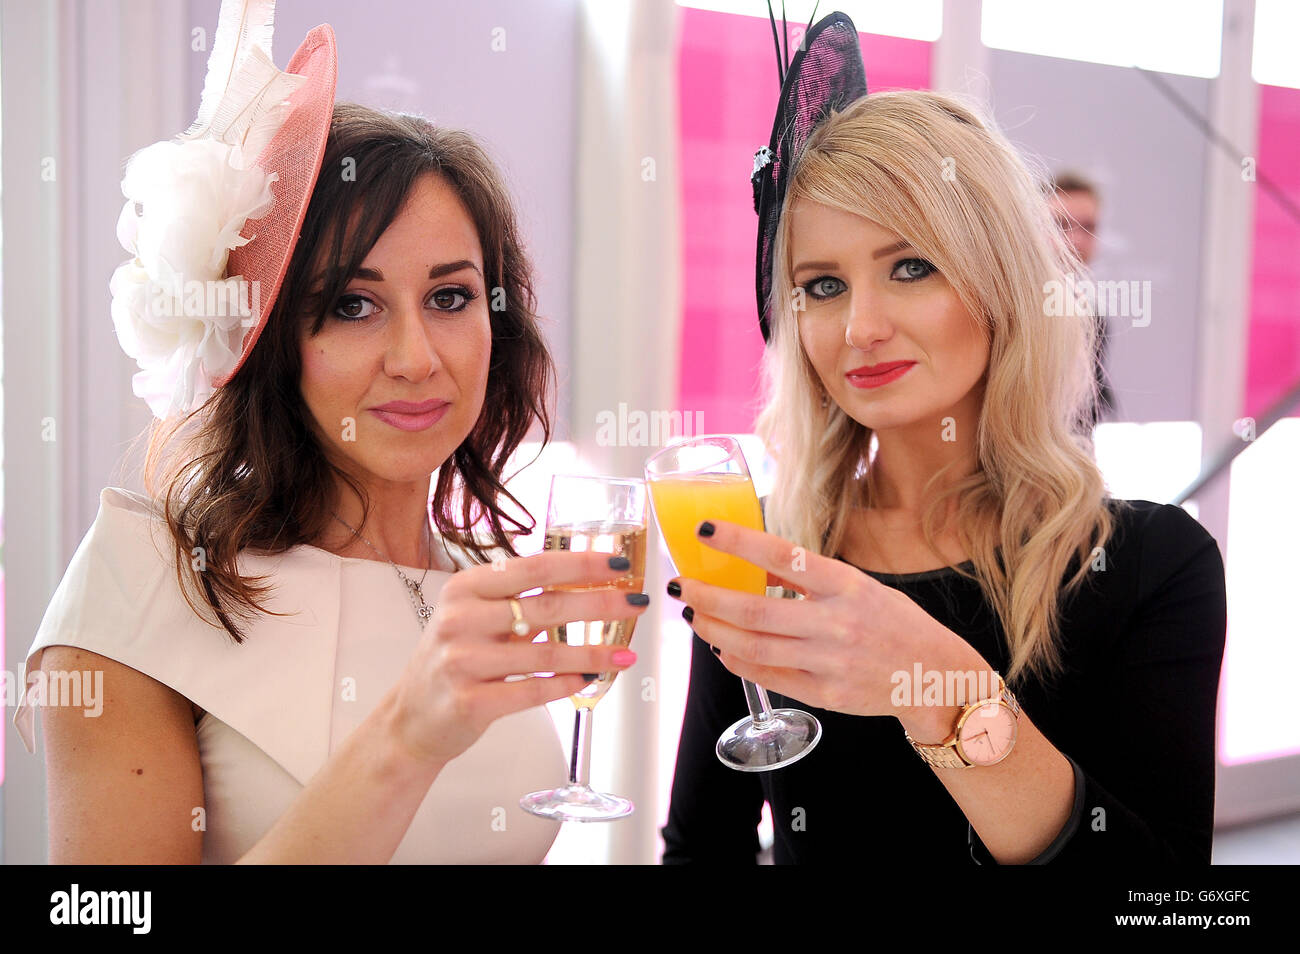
[300, 663]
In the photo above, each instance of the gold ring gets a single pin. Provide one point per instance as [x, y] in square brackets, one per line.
[520, 627]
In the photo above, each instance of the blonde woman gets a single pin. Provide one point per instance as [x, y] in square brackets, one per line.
[1009, 665]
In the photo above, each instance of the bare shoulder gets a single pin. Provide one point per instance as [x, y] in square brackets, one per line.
[123, 774]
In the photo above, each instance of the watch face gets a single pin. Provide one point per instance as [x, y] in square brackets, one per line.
[987, 734]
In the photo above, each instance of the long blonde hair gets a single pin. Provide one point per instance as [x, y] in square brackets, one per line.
[928, 167]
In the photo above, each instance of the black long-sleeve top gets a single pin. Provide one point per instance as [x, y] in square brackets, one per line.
[1134, 712]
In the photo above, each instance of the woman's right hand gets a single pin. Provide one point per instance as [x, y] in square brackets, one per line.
[454, 685]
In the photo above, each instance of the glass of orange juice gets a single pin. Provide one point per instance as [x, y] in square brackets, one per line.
[705, 478]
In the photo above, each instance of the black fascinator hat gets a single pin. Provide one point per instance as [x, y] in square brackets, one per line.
[827, 74]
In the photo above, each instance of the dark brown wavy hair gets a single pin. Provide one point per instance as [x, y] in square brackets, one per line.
[246, 470]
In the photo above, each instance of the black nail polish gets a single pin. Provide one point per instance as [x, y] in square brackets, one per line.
[638, 599]
[715, 650]
[688, 614]
[619, 563]
[706, 529]
[674, 588]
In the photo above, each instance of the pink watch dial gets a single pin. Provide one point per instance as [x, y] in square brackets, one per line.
[988, 733]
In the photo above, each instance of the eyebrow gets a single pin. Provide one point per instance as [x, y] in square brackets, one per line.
[377, 275]
[879, 253]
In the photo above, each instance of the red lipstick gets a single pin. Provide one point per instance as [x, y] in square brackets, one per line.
[878, 375]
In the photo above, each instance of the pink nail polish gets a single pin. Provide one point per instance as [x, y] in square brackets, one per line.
[624, 657]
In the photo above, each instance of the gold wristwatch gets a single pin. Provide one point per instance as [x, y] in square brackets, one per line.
[984, 735]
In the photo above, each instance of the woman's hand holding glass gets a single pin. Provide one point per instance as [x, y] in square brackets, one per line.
[604, 515]
[454, 685]
[840, 648]
[708, 474]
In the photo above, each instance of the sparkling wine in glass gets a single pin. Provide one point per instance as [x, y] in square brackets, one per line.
[706, 478]
[604, 515]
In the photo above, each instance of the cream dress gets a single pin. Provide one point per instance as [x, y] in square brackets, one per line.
[278, 704]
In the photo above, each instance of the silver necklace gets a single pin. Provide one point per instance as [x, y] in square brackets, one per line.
[422, 609]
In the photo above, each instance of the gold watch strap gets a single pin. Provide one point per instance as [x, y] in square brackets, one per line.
[942, 755]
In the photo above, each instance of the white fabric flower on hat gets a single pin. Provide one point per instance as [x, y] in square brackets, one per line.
[176, 311]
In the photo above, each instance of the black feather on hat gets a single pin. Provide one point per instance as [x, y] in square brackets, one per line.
[827, 74]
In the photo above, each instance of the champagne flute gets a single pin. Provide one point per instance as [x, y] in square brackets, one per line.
[605, 515]
[705, 478]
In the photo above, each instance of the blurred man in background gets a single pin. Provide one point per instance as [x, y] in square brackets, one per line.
[1075, 204]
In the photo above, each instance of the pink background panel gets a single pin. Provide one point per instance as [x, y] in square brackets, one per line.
[1273, 360]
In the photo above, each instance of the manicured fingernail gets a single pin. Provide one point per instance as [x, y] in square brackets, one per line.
[674, 588]
[619, 563]
[715, 650]
[706, 529]
[688, 614]
[624, 657]
[638, 599]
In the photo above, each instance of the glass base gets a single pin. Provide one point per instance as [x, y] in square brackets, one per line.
[752, 747]
[576, 803]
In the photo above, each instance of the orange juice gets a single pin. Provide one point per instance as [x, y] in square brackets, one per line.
[681, 504]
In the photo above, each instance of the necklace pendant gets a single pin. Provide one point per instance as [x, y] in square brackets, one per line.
[422, 609]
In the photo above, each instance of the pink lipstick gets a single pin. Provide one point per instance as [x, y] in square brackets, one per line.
[409, 416]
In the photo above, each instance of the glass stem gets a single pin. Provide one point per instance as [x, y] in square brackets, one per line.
[580, 755]
[760, 709]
